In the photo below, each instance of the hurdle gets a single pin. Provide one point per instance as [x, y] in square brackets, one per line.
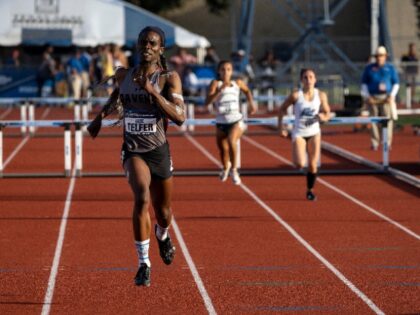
[270, 121]
[66, 124]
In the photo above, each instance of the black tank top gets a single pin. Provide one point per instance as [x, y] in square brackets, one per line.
[144, 122]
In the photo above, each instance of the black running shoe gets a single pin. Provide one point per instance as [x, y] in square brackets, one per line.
[166, 249]
[143, 275]
[310, 195]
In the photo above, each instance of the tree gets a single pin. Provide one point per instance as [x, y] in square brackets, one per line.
[215, 6]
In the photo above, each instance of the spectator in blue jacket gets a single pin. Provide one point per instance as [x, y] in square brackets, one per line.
[380, 84]
[74, 72]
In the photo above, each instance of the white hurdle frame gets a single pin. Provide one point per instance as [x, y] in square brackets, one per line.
[190, 115]
[77, 111]
[201, 122]
[408, 100]
[78, 147]
[67, 150]
[23, 117]
[40, 123]
[31, 117]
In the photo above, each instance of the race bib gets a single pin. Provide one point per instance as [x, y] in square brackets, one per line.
[226, 107]
[140, 126]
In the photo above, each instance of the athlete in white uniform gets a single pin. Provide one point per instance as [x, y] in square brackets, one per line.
[310, 108]
[224, 93]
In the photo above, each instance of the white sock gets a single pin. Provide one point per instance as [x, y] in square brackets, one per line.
[161, 233]
[142, 248]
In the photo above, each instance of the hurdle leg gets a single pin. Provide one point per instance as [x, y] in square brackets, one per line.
[77, 111]
[23, 117]
[31, 118]
[238, 154]
[85, 115]
[185, 125]
[270, 104]
[408, 99]
[78, 148]
[244, 110]
[190, 115]
[255, 95]
[385, 148]
[78, 136]
[67, 150]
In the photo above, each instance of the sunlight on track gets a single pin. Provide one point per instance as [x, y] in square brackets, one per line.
[59, 247]
[6, 112]
[296, 235]
[194, 272]
[22, 143]
[337, 190]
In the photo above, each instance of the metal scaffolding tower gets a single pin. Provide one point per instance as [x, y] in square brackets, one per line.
[311, 26]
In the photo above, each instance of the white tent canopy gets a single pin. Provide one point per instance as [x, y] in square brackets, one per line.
[84, 23]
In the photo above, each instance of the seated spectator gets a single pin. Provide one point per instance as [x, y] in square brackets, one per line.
[14, 59]
[181, 59]
[242, 69]
[268, 64]
[189, 82]
[410, 67]
[211, 58]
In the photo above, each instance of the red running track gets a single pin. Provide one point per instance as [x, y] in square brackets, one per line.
[257, 248]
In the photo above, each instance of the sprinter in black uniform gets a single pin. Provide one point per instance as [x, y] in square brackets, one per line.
[147, 96]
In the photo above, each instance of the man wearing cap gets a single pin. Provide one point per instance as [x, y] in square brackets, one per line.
[380, 84]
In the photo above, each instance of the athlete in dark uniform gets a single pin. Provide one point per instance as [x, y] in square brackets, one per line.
[149, 95]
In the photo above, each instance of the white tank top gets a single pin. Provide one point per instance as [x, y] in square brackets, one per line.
[305, 110]
[227, 104]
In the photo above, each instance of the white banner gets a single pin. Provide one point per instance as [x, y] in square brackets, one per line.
[82, 22]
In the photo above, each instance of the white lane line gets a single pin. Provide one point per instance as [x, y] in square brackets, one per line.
[59, 247]
[22, 143]
[301, 240]
[5, 113]
[339, 191]
[206, 298]
[201, 288]
[370, 209]
[203, 150]
[15, 151]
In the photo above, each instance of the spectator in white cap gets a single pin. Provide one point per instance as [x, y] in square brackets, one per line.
[380, 84]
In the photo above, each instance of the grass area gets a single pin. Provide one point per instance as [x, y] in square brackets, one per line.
[408, 120]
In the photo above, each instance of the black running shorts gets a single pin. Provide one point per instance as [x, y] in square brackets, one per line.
[158, 160]
[226, 128]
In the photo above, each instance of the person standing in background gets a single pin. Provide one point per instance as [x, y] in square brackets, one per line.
[409, 63]
[380, 85]
[74, 73]
[85, 60]
[46, 70]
